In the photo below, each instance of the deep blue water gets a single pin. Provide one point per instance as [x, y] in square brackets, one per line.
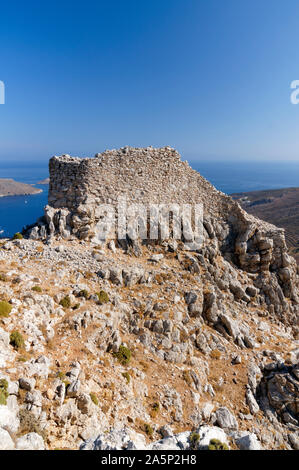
[235, 177]
[18, 211]
[229, 177]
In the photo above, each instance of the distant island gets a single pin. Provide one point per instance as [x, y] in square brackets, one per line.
[10, 187]
[44, 181]
[277, 206]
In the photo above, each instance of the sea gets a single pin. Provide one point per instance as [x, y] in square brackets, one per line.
[16, 212]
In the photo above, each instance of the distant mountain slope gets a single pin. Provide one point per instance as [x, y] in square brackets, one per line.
[280, 207]
[10, 187]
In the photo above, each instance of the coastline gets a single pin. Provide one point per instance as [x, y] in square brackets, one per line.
[38, 191]
[10, 187]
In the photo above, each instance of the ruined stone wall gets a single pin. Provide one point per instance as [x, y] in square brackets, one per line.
[68, 182]
[149, 175]
[144, 175]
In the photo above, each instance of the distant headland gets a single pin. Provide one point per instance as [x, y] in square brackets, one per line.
[10, 187]
[44, 181]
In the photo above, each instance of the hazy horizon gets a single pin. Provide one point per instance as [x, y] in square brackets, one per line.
[208, 159]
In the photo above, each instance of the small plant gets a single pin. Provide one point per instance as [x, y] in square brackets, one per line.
[215, 444]
[187, 377]
[127, 376]
[65, 302]
[103, 297]
[88, 275]
[155, 409]
[76, 306]
[60, 375]
[123, 355]
[156, 406]
[30, 423]
[5, 308]
[3, 277]
[83, 293]
[16, 340]
[94, 398]
[17, 236]
[148, 429]
[144, 365]
[194, 438]
[36, 289]
[3, 391]
[67, 383]
[215, 354]
[22, 359]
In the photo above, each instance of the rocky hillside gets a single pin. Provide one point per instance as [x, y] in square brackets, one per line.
[152, 345]
[279, 207]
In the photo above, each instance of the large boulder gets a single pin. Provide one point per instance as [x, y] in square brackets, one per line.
[248, 442]
[282, 389]
[31, 441]
[207, 433]
[6, 352]
[9, 419]
[117, 439]
[225, 419]
[6, 442]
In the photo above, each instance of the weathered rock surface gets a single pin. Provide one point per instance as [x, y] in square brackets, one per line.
[31, 441]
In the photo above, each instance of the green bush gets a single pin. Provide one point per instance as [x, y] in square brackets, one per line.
[83, 293]
[21, 359]
[94, 398]
[194, 438]
[103, 297]
[3, 391]
[36, 289]
[148, 429]
[127, 376]
[123, 355]
[215, 444]
[16, 340]
[155, 409]
[65, 302]
[17, 236]
[5, 308]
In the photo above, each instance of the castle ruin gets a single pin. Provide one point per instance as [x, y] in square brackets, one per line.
[78, 186]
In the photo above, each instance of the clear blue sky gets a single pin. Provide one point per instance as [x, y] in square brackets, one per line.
[209, 77]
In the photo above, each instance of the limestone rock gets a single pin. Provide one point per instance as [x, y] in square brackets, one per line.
[31, 441]
[247, 441]
[225, 419]
[6, 442]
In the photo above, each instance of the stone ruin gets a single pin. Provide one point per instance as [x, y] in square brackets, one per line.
[156, 176]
